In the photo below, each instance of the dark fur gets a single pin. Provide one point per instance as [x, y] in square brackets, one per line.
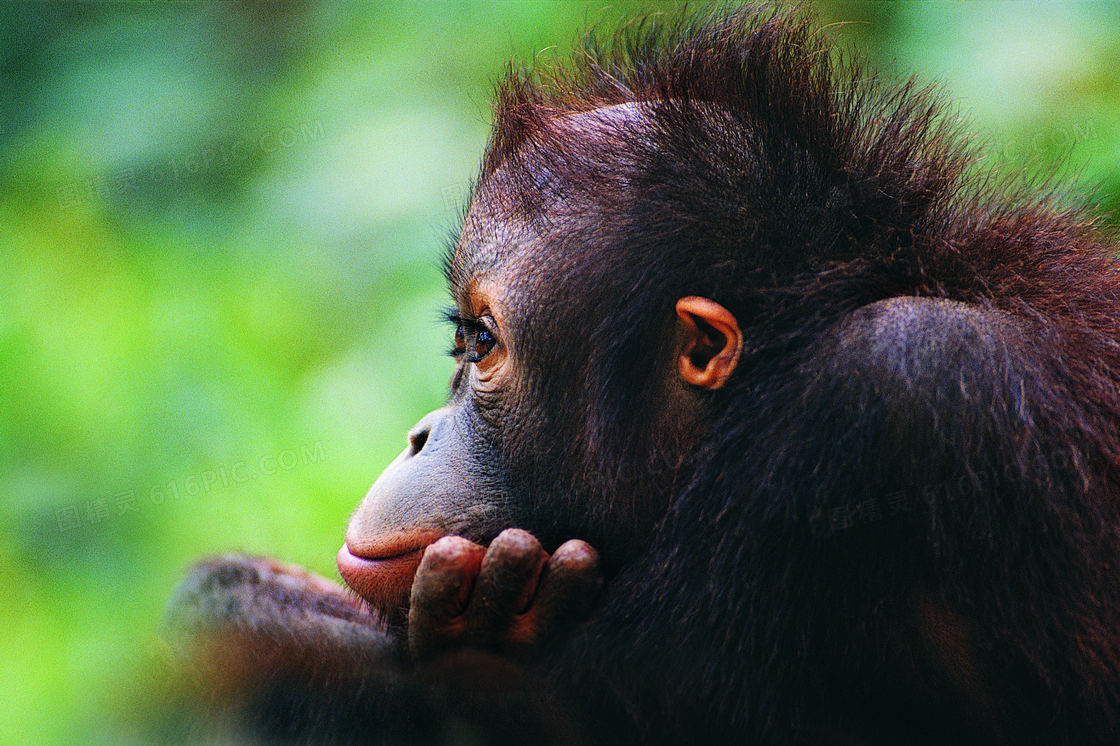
[904, 522]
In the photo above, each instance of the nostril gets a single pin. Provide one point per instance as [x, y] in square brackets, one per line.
[417, 439]
[426, 432]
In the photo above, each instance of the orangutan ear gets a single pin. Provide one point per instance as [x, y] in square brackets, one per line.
[712, 342]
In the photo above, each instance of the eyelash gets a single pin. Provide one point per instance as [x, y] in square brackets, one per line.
[471, 332]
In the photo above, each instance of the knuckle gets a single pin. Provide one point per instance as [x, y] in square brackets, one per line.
[576, 557]
[516, 542]
[450, 552]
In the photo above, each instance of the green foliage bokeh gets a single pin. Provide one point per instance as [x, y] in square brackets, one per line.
[220, 233]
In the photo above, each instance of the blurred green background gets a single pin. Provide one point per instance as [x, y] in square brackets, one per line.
[220, 228]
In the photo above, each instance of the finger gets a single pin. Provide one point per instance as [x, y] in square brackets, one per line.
[505, 587]
[440, 592]
[569, 584]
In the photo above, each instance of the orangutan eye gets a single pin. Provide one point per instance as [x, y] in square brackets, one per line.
[473, 339]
